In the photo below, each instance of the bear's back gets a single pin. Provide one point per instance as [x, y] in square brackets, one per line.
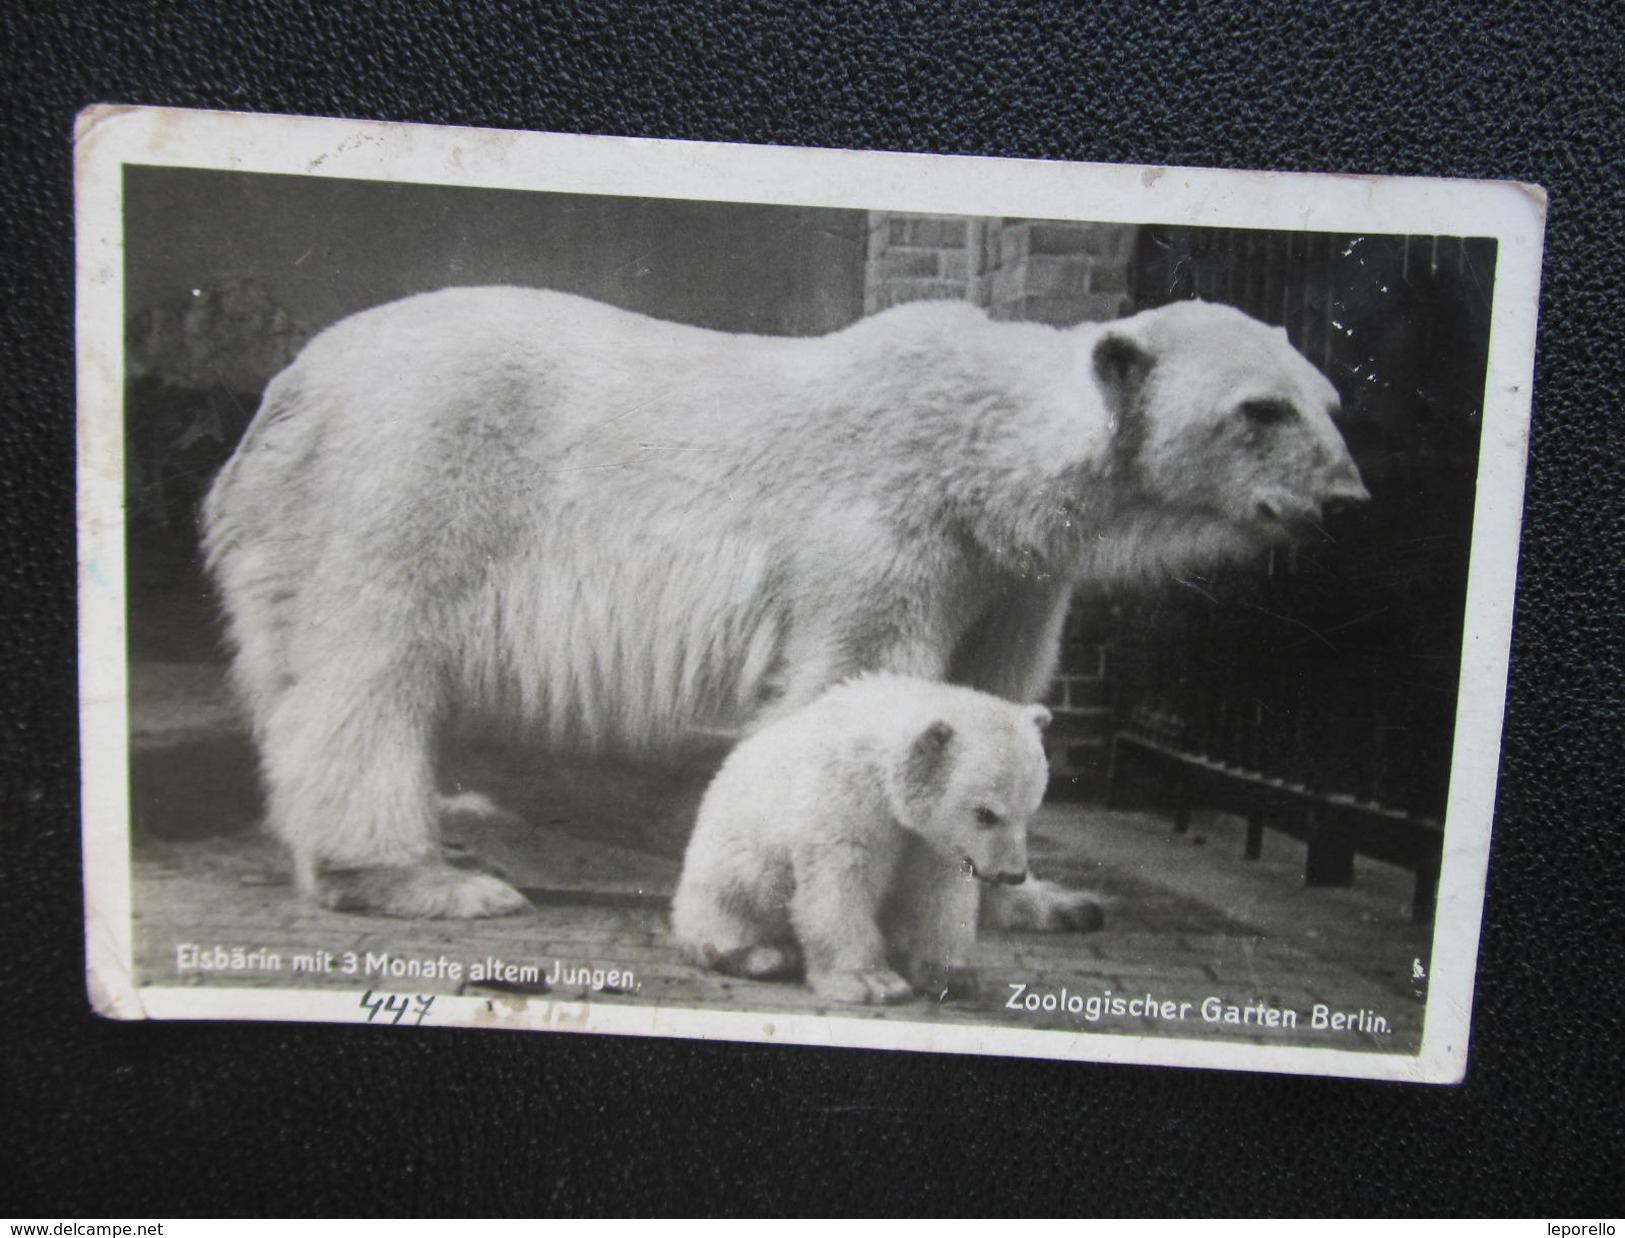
[877, 717]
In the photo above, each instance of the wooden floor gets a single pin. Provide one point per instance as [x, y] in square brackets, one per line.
[1187, 919]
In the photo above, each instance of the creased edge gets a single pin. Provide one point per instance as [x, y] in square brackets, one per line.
[108, 983]
[91, 120]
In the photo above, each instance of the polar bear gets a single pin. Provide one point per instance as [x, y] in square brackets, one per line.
[621, 535]
[853, 837]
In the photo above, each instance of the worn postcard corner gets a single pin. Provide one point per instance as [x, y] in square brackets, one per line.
[557, 583]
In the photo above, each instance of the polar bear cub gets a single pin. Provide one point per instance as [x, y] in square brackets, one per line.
[852, 837]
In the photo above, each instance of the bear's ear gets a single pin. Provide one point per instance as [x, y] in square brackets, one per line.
[1121, 364]
[1039, 716]
[919, 779]
[928, 752]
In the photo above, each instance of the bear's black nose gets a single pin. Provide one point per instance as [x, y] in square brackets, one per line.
[1342, 504]
[1010, 879]
[1345, 495]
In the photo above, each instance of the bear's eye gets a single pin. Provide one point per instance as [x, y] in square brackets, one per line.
[987, 818]
[1267, 412]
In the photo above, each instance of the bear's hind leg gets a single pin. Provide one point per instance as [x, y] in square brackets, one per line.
[349, 772]
[712, 930]
[752, 961]
[734, 947]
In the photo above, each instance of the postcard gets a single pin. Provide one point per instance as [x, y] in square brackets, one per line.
[965, 605]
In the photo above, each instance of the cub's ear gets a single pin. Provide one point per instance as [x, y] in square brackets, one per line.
[929, 751]
[1039, 716]
[1121, 364]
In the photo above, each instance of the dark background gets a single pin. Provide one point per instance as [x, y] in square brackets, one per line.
[323, 248]
[142, 1120]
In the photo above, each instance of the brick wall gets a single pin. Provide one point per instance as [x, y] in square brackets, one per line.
[1029, 270]
[1081, 698]
[926, 258]
[1061, 272]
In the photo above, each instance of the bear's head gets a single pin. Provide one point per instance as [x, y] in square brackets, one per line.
[969, 784]
[1217, 417]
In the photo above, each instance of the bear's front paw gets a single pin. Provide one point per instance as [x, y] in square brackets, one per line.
[878, 986]
[1042, 907]
[943, 982]
[1069, 911]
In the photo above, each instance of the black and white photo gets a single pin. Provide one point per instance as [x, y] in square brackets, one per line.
[889, 601]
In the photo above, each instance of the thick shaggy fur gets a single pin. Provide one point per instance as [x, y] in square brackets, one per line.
[852, 838]
[622, 533]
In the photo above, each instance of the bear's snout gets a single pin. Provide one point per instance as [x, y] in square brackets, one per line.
[1339, 486]
[1274, 505]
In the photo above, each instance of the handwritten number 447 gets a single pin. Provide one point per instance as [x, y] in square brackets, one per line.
[397, 1004]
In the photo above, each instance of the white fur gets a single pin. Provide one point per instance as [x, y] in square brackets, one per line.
[625, 533]
[845, 837]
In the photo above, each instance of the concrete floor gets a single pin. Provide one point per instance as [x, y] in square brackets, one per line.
[1187, 920]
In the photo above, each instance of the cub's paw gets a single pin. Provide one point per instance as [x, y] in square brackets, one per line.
[751, 962]
[877, 986]
[1043, 907]
[420, 892]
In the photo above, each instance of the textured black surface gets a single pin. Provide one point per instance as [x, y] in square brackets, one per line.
[136, 1120]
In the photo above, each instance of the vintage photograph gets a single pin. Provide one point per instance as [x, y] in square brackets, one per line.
[856, 599]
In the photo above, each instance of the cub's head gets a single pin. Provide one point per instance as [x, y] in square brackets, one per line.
[970, 782]
[1217, 417]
